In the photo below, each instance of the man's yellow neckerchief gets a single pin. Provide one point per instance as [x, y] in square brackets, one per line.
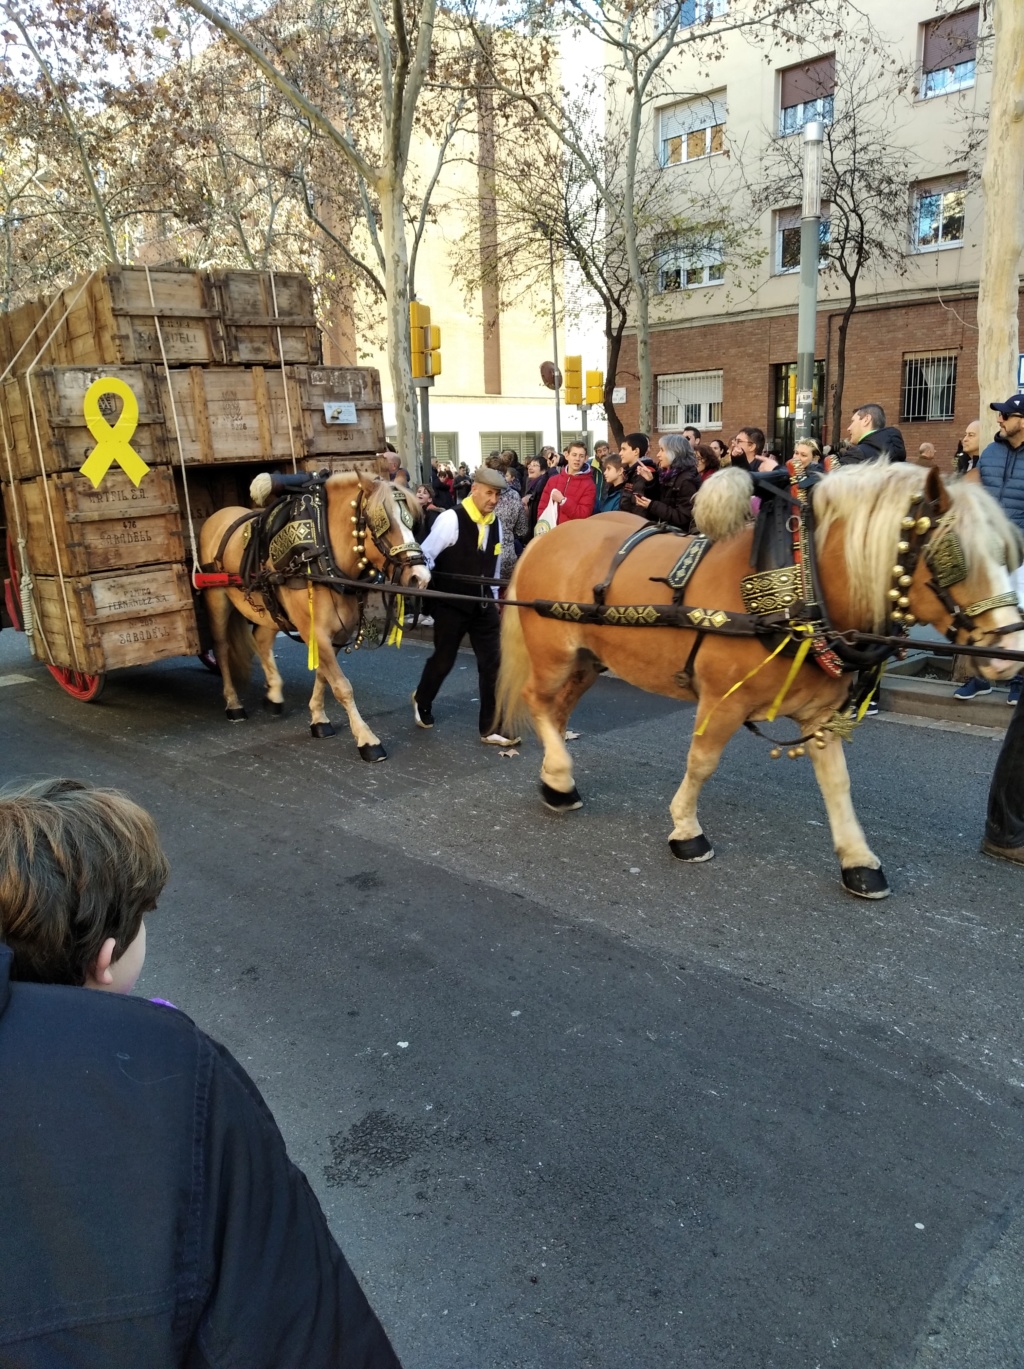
[482, 521]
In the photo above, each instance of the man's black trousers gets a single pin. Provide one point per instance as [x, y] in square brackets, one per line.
[450, 626]
[1005, 825]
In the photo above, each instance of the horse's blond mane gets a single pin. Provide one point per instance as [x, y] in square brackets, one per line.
[871, 500]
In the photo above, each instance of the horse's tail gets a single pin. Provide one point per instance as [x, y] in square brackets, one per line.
[515, 664]
[722, 505]
[241, 648]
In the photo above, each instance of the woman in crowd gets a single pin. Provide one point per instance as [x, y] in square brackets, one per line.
[429, 509]
[536, 479]
[708, 460]
[807, 455]
[678, 483]
[512, 517]
[721, 450]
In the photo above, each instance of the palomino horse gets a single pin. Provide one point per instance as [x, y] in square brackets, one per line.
[369, 527]
[868, 537]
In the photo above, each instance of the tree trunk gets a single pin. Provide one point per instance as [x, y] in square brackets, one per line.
[1002, 184]
[614, 337]
[396, 281]
[836, 429]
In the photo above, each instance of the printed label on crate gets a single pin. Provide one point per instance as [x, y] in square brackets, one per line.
[342, 411]
[134, 594]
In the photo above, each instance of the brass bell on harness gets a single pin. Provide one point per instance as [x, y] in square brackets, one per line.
[906, 581]
[775, 753]
[897, 571]
[903, 601]
[354, 519]
[923, 524]
[909, 619]
[897, 616]
[903, 547]
[819, 734]
[795, 752]
[908, 522]
[894, 594]
[354, 504]
[821, 743]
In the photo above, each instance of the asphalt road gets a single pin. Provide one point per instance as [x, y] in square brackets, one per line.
[566, 1102]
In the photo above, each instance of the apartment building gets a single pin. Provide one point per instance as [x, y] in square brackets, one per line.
[724, 327]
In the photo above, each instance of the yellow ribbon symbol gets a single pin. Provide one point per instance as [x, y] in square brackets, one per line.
[113, 442]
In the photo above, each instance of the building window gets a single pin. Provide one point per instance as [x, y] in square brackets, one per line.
[950, 49]
[444, 448]
[679, 269]
[692, 129]
[938, 219]
[701, 12]
[693, 397]
[524, 445]
[929, 388]
[787, 239]
[806, 92]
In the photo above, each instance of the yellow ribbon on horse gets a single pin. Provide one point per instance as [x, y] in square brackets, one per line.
[798, 660]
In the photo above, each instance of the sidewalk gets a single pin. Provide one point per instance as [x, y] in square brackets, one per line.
[906, 689]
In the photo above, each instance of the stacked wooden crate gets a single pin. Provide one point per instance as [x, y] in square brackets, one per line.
[225, 369]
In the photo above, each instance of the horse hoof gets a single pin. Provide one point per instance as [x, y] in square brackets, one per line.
[272, 707]
[558, 801]
[321, 730]
[236, 715]
[864, 882]
[693, 849]
[373, 751]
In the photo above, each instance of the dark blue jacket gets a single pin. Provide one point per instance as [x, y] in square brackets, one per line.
[1002, 473]
[149, 1215]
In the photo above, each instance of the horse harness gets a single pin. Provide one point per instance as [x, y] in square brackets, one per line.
[782, 595]
[286, 543]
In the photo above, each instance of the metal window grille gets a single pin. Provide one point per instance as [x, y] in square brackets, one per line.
[691, 397]
[929, 389]
[445, 448]
[524, 445]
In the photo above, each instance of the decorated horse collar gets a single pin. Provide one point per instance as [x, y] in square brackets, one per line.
[376, 521]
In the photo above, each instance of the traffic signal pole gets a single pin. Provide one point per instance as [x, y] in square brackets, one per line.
[425, 444]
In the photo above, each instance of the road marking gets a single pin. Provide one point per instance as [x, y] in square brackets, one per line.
[16, 679]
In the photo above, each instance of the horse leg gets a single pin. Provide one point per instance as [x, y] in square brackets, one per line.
[366, 740]
[220, 608]
[263, 638]
[550, 702]
[319, 722]
[860, 868]
[688, 841]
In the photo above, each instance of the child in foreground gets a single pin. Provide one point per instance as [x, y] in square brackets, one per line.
[79, 869]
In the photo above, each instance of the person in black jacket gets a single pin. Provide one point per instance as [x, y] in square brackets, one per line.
[149, 1214]
[678, 482]
[870, 438]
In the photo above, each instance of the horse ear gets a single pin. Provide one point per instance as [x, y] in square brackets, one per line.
[935, 490]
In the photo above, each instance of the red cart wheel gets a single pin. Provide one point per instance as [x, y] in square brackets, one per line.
[12, 587]
[85, 688]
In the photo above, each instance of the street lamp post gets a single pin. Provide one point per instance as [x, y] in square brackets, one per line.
[810, 226]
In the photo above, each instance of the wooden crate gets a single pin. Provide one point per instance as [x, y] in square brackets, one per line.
[339, 409]
[25, 324]
[368, 462]
[121, 619]
[111, 528]
[228, 413]
[114, 319]
[265, 314]
[59, 394]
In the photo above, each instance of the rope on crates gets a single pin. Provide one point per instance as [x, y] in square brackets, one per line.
[177, 427]
[42, 470]
[284, 374]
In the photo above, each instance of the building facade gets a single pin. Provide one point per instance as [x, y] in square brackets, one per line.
[723, 326]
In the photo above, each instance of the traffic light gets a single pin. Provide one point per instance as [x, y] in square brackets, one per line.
[426, 342]
[574, 380]
[595, 387]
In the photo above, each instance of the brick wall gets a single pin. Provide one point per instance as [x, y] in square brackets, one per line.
[746, 350]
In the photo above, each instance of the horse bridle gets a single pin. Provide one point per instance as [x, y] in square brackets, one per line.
[377, 523]
[931, 534]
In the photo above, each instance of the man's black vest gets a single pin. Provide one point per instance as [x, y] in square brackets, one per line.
[464, 557]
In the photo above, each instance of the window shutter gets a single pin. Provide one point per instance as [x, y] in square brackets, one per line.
[951, 40]
[676, 121]
[808, 81]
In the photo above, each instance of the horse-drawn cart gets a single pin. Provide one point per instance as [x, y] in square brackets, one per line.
[132, 405]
